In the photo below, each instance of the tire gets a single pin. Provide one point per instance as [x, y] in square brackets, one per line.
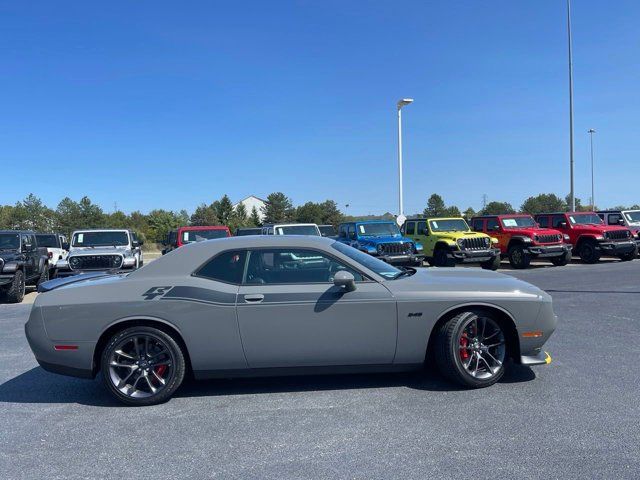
[137, 264]
[15, 292]
[588, 252]
[493, 264]
[441, 258]
[44, 276]
[518, 258]
[457, 354]
[562, 260]
[152, 344]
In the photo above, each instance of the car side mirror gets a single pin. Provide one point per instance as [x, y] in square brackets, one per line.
[563, 224]
[65, 245]
[496, 228]
[27, 246]
[621, 221]
[135, 244]
[344, 279]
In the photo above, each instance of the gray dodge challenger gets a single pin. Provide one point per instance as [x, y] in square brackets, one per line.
[279, 305]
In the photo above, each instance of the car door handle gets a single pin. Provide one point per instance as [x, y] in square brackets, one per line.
[254, 298]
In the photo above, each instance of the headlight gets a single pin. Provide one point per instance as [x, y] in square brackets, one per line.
[74, 262]
[601, 237]
[460, 242]
[628, 233]
[535, 238]
[116, 262]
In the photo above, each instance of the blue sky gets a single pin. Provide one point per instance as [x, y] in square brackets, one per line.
[156, 104]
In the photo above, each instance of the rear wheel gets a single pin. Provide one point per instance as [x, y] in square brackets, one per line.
[44, 276]
[588, 252]
[492, 264]
[626, 257]
[562, 260]
[142, 366]
[15, 292]
[471, 349]
[518, 258]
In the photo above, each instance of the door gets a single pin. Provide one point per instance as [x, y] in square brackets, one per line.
[494, 229]
[30, 252]
[290, 314]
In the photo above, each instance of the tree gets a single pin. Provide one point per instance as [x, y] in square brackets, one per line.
[91, 215]
[310, 212]
[469, 213]
[278, 208]
[254, 219]
[160, 223]
[204, 215]
[497, 208]
[238, 217]
[452, 211]
[544, 202]
[223, 209]
[435, 206]
[331, 214]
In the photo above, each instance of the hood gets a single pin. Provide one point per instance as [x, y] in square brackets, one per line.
[95, 278]
[9, 254]
[466, 281]
[384, 239]
[597, 229]
[456, 235]
[98, 250]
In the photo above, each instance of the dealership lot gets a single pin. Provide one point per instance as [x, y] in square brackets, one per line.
[577, 417]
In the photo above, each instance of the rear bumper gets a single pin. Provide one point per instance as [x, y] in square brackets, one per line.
[474, 256]
[545, 251]
[617, 248]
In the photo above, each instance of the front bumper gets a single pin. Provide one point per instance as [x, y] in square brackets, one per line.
[617, 248]
[401, 259]
[546, 251]
[474, 256]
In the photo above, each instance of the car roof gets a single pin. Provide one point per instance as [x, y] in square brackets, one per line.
[500, 215]
[18, 231]
[432, 218]
[204, 227]
[289, 225]
[102, 230]
[186, 259]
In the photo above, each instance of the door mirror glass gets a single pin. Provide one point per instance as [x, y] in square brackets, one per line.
[563, 225]
[344, 279]
[65, 245]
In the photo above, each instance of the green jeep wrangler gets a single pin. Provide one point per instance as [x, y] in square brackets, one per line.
[447, 241]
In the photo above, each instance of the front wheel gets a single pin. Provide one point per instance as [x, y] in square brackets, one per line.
[471, 349]
[493, 264]
[588, 252]
[441, 258]
[142, 366]
[518, 258]
[626, 257]
[15, 293]
[562, 260]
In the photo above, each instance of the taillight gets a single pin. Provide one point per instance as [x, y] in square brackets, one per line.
[50, 254]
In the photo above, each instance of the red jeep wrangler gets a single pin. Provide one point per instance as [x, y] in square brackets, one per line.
[521, 239]
[184, 235]
[590, 237]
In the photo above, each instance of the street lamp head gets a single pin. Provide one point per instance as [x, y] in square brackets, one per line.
[591, 130]
[404, 101]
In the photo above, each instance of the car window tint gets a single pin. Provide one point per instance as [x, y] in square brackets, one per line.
[226, 267]
[477, 224]
[411, 228]
[492, 223]
[352, 231]
[278, 266]
[556, 220]
[614, 219]
[543, 221]
[422, 226]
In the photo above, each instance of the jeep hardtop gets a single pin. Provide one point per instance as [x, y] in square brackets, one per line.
[194, 233]
[22, 263]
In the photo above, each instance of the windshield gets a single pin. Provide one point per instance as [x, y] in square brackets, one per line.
[297, 230]
[453, 225]
[327, 230]
[100, 239]
[378, 229]
[49, 241]
[241, 232]
[190, 236]
[585, 219]
[381, 268]
[515, 222]
[9, 241]
[633, 216]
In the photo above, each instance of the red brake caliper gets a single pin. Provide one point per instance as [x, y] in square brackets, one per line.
[160, 370]
[464, 353]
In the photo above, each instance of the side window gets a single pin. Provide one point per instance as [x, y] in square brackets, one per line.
[476, 225]
[492, 223]
[278, 266]
[411, 228]
[225, 267]
[614, 219]
[343, 231]
[556, 220]
[543, 221]
[421, 229]
[352, 232]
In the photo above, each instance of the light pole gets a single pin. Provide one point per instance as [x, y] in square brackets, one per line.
[591, 131]
[401, 103]
[572, 195]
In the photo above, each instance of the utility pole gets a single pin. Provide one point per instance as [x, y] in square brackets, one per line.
[591, 131]
[572, 196]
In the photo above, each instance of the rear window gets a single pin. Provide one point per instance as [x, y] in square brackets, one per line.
[189, 236]
[47, 241]
[226, 267]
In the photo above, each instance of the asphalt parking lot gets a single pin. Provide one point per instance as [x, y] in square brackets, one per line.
[578, 417]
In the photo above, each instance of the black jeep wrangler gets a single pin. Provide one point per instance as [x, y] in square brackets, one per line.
[22, 263]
